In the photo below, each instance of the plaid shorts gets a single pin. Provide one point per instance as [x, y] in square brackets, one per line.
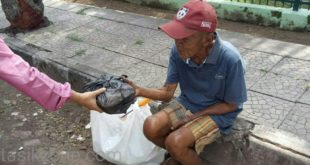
[203, 126]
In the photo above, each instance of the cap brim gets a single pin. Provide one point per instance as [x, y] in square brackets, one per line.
[176, 30]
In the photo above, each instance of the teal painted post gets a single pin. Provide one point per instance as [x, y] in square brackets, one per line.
[296, 5]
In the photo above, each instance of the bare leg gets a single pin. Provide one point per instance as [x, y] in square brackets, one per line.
[157, 127]
[180, 145]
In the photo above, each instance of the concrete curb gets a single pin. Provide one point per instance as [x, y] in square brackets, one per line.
[263, 146]
[64, 71]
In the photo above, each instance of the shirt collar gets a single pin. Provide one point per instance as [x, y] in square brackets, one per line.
[190, 63]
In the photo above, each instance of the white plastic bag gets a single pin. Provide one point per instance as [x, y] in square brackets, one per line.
[121, 140]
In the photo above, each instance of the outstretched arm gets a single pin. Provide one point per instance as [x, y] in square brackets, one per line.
[164, 93]
[35, 84]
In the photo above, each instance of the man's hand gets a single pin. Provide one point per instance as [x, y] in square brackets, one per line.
[180, 123]
[133, 85]
[87, 99]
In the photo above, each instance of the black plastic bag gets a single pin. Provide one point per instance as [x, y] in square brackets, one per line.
[118, 96]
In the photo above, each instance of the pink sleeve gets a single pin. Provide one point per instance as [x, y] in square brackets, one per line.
[17, 72]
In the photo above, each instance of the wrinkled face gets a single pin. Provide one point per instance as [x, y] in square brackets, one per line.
[190, 46]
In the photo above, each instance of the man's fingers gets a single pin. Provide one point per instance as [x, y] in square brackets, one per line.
[177, 125]
[96, 110]
[127, 81]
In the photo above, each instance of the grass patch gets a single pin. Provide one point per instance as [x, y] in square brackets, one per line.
[74, 37]
[139, 42]
[264, 70]
[82, 11]
[80, 52]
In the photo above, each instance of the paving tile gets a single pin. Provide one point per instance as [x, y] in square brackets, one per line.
[52, 39]
[65, 20]
[63, 5]
[131, 31]
[50, 2]
[161, 58]
[266, 110]
[81, 31]
[146, 75]
[108, 41]
[252, 76]
[4, 23]
[163, 39]
[149, 22]
[267, 45]
[48, 9]
[143, 49]
[242, 51]
[305, 98]
[39, 37]
[101, 24]
[299, 51]
[281, 86]
[2, 15]
[62, 26]
[69, 48]
[79, 8]
[298, 69]
[298, 121]
[106, 61]
[260, 60]
[109, 14]
[133, 46]
[58, 42]
[3, 35]
[123, 29]
[56, 15]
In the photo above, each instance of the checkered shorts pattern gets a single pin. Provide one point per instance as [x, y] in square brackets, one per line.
[203, 128]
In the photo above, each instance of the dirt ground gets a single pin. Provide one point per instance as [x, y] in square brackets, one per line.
[259, 31]
[29, 135]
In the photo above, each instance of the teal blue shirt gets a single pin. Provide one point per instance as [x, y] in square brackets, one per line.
[219, 79]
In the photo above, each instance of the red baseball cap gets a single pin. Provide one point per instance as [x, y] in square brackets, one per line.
[195, 15]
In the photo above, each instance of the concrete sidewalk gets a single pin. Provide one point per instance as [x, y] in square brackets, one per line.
[92, 41]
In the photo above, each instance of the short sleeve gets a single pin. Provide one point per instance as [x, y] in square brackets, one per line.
[235, 88]
[172, 73]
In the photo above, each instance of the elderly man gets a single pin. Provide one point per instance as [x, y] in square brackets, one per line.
[210, 73]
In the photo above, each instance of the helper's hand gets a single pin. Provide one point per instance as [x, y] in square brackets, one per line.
[87, 99]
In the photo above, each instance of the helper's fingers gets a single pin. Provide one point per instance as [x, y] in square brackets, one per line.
[99, 91]
[97, 109]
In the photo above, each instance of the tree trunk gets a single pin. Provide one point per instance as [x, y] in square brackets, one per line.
[24, 14]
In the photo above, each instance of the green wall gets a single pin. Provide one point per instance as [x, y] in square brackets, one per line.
[243, 12]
